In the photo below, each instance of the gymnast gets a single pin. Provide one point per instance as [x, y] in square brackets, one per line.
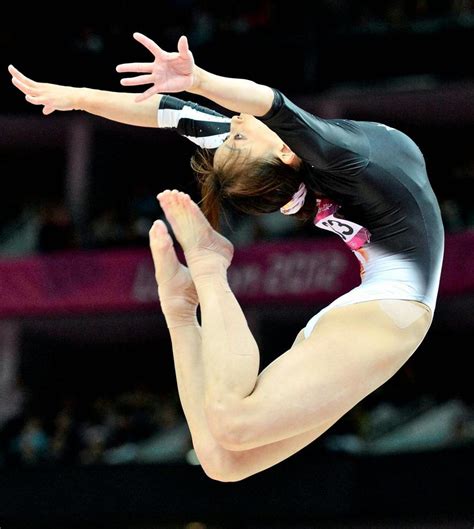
[364, 181]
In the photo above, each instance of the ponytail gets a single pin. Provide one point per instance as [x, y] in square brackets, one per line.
[210, 186]
[211, 199]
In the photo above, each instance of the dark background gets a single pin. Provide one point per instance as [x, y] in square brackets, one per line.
[405, 63]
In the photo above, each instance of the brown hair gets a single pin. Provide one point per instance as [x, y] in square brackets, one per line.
[254, 187]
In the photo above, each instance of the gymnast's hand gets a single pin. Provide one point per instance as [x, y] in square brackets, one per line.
[51, 96]
[169, 72]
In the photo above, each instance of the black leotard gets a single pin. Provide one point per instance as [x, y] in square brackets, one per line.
[378, 197]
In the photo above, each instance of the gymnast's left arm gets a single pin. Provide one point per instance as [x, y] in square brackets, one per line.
[176, 71]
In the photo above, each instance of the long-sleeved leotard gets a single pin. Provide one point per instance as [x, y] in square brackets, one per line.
[377, 195]
[203, 126]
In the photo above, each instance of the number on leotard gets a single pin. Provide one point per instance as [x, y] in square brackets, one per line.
[338, 227]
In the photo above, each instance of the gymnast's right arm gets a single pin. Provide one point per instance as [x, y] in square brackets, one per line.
[115, 106]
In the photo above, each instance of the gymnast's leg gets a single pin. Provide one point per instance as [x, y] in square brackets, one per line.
[351, 352]
[179, 302]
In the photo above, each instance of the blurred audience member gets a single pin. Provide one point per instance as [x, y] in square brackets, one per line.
[94, 440]
[65, 439]
[57, 231]
[32, 444]
[452, 215]
[19, 236]
[172, 441]
[109, 229]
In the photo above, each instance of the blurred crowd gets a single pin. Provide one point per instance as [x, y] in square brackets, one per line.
[136, 426]
[140, 425]
[93, 44]
[205, 21]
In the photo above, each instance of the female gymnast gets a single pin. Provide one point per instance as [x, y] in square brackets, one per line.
[362, 180]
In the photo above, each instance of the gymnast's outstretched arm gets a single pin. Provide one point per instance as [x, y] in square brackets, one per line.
[177, 72]
[202, 126]
[115, 106]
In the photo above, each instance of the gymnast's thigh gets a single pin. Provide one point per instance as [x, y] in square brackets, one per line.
[351, 351]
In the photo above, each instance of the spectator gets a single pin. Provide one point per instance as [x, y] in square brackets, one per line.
[32, 444]
[94, 439]
[57, 231]
[173, 440]
[65, 439]
[109, 229]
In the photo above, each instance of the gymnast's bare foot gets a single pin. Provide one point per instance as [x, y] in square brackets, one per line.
[176, 290]
[207, 252]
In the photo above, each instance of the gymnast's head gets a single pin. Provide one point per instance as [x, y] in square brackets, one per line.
[253, 171]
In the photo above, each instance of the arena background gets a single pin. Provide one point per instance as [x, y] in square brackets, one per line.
[91, 431]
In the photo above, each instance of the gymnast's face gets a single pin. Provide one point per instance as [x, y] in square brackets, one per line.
[252, 138]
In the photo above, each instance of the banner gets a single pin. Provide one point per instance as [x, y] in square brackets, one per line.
[284, 272]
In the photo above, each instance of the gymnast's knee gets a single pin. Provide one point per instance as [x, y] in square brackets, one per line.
[219, 465]
[227, 425]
